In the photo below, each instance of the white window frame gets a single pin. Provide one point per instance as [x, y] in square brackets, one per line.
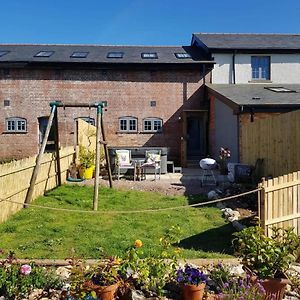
[127, 122]
[152, 124]
[16, 125]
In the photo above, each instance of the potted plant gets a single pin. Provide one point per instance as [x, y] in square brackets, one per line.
[224, 155]
[268, 258]
[100, 281]
[192, 282]
[87, 163]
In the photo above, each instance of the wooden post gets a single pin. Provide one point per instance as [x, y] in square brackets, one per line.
[106, 153]
[57, 147]
[97, 171]
[39, 158]
[262, 206]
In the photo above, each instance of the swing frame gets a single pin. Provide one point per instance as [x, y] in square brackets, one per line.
[99, 129]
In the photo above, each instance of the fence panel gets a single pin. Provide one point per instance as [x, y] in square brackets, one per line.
[280, 202]
[15, 178]
[276, 140]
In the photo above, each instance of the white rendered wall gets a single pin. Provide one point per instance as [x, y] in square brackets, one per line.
[285, 68]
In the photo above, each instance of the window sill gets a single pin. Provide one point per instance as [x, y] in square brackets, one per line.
[126, 132]
[150, 132]
[15, 132]
[260, 81]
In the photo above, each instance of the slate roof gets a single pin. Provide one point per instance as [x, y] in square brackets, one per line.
[242, 41]
[256, 95]
[98, 54]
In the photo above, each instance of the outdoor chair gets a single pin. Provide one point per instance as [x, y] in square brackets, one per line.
[153, 161]
[123, 162]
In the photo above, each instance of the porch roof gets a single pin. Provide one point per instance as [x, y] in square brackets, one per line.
[257, 95]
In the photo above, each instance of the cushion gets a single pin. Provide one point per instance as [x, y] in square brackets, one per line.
[123, 158]
[153, 157]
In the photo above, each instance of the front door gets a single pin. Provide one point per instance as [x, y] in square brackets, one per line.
[196, 137]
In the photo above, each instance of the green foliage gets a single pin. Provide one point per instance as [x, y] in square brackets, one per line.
[267, 256]
[86, 157]
[16, 285]
[220, 275]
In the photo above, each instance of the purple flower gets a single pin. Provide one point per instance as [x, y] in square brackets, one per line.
[190, 275]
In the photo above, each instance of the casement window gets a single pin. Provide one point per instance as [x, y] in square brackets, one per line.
[260, 66]
[182, 55]
[152, 125]
[128, 124]
[149, 55]
[16, 125]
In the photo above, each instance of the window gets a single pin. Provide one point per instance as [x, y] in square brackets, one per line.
[128, 124]
[88, 120]
[152, 125]
[16, 125]
[3, 52]
[152, 55]
[44, 54]
[115, 54]
[260, 66]
[182, 55]
[79, 54]
[279, 89]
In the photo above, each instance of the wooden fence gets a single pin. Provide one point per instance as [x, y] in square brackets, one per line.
[15, 178]
[276, 140]
[280, 202]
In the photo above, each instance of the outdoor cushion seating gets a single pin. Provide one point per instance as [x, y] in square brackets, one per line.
[123, 162]
[153, 160]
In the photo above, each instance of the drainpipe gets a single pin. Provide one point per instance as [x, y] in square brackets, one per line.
[233, 66]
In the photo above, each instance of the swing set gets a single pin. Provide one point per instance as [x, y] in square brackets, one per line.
[99, 129]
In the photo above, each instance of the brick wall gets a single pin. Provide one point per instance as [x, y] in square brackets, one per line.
[128, 93]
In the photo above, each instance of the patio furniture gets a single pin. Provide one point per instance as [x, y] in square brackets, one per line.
[124, 162]
[207, 165]
[153, 160]
[138, 162]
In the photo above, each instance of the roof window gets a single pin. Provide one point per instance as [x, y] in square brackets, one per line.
[279, 89]
[182, 55]
[2, 53]
[151, 55]
[44, 54]
[79, 54]
[115, 54]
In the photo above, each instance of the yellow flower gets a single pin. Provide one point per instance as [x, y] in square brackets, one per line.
[138, 244]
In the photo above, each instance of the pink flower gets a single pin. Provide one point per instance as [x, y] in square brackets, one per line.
[25, 269]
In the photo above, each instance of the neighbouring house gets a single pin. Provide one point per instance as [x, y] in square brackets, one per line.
[154, 95]
[254, 76]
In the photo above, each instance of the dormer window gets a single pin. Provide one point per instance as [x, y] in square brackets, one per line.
[79, 54]
[149, 55]
[260, 66]
[3, 52]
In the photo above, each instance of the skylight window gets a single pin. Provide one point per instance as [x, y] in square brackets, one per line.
[115, 54]
[151, 55]
[2, 53]
[280, 89]
[182, 55]
[79, 54]
[44, 54]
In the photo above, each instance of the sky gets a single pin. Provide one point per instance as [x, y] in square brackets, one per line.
[140, 22]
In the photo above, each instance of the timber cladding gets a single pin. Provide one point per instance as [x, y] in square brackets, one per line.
[274, 139]
[15, 178]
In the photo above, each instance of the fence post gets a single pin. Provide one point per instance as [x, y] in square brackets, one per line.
[262, 205]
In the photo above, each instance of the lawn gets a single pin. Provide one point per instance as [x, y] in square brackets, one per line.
[41, 233]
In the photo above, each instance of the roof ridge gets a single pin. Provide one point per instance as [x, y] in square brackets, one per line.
[246, 33]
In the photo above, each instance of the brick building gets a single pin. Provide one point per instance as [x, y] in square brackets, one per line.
[154, 95]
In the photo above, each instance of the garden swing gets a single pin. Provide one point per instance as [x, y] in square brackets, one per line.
[99, 128]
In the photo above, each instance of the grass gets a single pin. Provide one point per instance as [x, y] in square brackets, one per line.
[41, 233]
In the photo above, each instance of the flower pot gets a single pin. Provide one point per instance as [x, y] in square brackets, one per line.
[108, 292]
[193, 292]
[87, 173]
[274, 288]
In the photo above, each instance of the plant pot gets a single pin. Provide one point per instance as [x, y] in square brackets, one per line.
[86, 173]
[274, 288]
[108, 292]
[193, 292]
